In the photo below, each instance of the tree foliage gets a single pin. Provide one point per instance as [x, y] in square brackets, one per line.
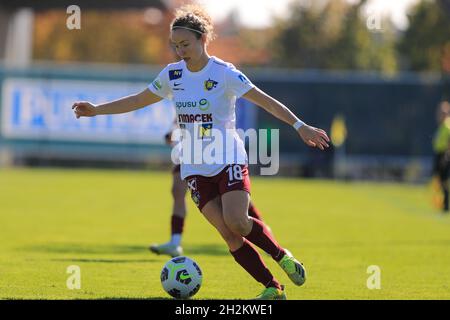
[426, 43]
[327, 34]
[333, 36]
[107, 36]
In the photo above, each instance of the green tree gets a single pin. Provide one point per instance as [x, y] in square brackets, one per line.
[107, 36]
[334, 36]
[427, 39]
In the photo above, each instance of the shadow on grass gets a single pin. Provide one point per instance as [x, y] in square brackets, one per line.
[137, 299]
[106, 260]
[74, 248]
[367, 244]
[85, 248]
[203, 249]
[207, 249]
[168, 299]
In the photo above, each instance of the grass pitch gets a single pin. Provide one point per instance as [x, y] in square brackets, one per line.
[103, 222]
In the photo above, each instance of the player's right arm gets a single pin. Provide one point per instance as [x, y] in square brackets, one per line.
[122, 105]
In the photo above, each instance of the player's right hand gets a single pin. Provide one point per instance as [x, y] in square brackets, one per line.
[84, 109]
[314, 137]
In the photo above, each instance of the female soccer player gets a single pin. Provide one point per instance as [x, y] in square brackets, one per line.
[204, 89]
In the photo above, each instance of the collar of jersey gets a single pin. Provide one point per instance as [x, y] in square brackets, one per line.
[201, 72]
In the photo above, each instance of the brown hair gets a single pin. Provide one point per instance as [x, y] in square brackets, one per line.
[194, 17]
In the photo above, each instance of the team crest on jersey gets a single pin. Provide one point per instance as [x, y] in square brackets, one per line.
[175, 74]
[205, 130]
[210, 84]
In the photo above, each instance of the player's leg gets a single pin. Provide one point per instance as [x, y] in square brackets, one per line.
[254, 230]
[440, 170]
[235, 207]
[178, 191]
[235, 189]
[443, 178]
[243, 252]
[255, 213]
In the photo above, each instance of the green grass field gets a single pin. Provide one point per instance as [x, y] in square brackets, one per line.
[103, 221]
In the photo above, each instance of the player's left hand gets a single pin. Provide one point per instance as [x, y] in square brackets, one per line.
[314, 137]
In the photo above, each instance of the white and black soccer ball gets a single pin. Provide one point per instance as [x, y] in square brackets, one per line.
[181, 277]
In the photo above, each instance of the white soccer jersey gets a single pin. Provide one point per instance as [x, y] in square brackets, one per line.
[205, 107]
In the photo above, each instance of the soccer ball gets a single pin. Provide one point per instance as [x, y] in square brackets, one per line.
[181, 277]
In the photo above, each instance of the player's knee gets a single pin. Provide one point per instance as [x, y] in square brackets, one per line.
[238, 224]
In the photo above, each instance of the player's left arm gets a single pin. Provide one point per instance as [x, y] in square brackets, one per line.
[312, 136]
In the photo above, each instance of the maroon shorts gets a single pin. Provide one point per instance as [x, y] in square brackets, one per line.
[232, 177]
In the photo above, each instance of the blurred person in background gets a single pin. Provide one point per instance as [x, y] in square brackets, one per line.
[441, 149]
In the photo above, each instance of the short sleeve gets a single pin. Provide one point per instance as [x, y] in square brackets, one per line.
[160, 85]
[237, 83]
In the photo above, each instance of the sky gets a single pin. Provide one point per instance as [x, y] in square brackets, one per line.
[259, 13]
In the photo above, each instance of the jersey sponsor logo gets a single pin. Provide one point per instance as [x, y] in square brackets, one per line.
[191, 118]
[157, 84]
[175, 74]
[186, 104]
[202, 104]
[205, 130]
[210, 84]
[175, 84]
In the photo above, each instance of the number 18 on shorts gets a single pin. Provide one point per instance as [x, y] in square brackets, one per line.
[232, 177]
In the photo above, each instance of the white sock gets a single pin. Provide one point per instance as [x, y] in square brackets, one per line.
[175, 239]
